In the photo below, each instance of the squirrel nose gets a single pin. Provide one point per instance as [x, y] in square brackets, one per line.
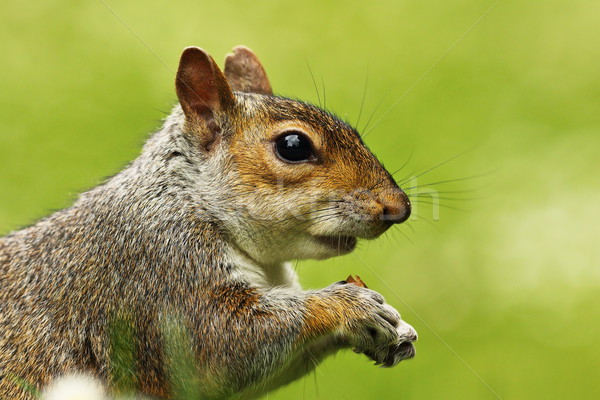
[396, 207]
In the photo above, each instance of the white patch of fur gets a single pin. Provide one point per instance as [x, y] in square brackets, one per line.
[75, 387]
[265, 276]
[80, 387]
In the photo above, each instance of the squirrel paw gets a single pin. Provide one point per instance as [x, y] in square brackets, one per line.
[375, 328]
[401, 349]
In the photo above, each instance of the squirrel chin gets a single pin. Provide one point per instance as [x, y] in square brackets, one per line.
[340, 244]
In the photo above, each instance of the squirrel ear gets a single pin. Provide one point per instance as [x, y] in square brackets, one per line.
[202, 90]
[245, 73]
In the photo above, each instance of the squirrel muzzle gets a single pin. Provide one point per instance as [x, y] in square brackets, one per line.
[395, 205]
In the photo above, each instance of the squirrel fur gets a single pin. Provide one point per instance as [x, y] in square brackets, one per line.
[200, 228]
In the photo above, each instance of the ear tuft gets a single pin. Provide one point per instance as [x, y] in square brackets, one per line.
[245, 73]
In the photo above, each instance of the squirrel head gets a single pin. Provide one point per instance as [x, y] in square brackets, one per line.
[289, 180]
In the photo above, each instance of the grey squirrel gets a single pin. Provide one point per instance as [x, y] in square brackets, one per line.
[202, 225]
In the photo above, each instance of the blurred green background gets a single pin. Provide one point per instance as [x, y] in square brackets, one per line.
[503, 292]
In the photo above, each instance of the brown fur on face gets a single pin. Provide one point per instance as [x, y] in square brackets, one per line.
[343, 163]
[345, 185]
[341, 191]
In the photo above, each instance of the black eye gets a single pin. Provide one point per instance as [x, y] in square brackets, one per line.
[294, 147]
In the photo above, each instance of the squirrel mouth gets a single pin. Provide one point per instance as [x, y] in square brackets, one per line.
[340, 243]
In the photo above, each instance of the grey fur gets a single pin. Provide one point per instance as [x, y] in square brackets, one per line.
[160, 240]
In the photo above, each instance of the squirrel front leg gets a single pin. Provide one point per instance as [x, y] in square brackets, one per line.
[275, 336]
[358, 317]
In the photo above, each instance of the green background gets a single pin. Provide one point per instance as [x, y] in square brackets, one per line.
[503, 292]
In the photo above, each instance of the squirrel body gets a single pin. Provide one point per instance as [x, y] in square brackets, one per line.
[199, 230]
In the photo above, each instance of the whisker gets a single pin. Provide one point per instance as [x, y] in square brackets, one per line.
[314, 218]
[404, 234]
[452, 180]
[381, 181]
[430, 222]
[320, 201]
[410, 156]
[324, 94]
[365, 129]
[364, 96]
[306, 213]
[314, 82]
[434, 191]
[440, 205]
[434, 167]
[429, 196]
[313, 221]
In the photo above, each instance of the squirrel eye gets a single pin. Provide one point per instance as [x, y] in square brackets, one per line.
[294, 147]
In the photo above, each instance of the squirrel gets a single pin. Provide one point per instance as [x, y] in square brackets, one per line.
[202, 226]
